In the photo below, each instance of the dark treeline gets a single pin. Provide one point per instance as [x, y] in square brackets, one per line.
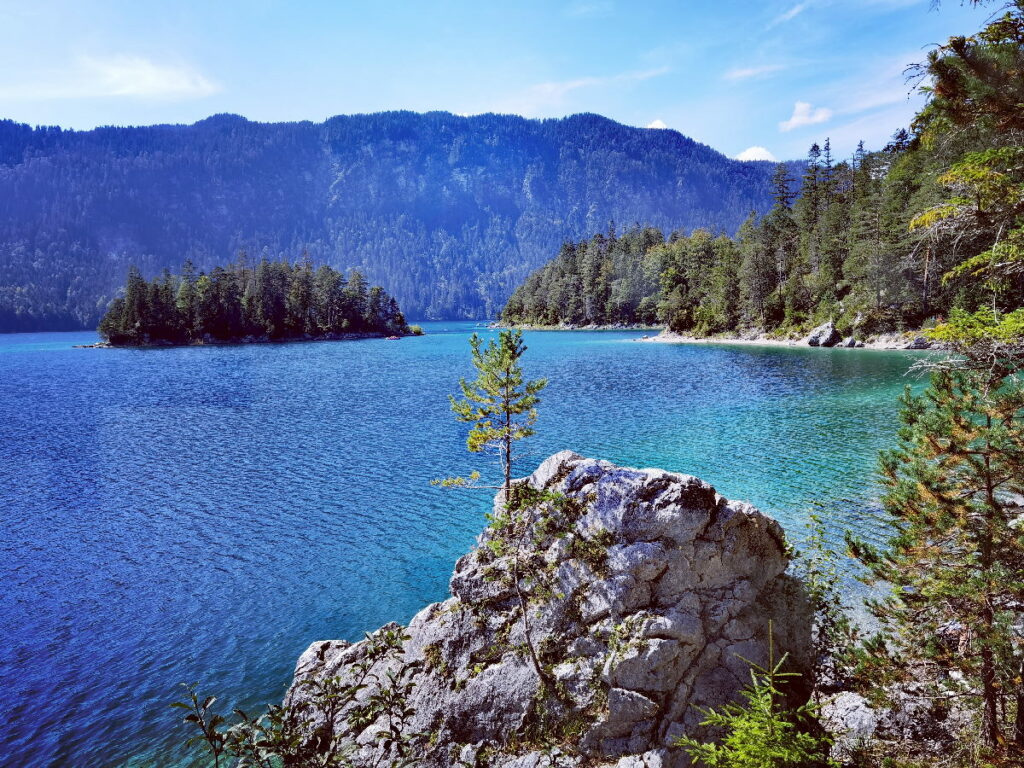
[449, 213]
[274, 300]
[852, 248]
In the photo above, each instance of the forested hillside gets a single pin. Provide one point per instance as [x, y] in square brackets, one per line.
[448, 213]
[873, 243]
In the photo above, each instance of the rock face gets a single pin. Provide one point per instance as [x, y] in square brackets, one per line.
[930, 726]
[642, 591]
[919, 342]
[824, 336]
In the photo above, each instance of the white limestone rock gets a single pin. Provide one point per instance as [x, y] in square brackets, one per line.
[647, 592]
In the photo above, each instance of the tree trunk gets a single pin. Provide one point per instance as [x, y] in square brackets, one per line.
[990, 693]
[990, 696]
[927, 264]
[507, 461]
[524, 606]
[1018, 721]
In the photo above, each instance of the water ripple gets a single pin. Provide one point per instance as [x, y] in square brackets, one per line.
[204, 514]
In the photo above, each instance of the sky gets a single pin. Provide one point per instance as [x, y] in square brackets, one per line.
[754, 80]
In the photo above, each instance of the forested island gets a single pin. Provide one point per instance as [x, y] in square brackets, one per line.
[273, 301]
[885, 241]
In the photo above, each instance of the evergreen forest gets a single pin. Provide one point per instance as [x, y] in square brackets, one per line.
[276, 300]
[448, 213]
[882, 241]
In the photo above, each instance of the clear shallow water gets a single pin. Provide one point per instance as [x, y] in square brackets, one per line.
[203, 514]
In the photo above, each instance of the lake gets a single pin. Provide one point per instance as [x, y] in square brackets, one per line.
[202, 514]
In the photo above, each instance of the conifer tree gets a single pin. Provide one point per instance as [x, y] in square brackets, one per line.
[955, 558]
[760, 731]
[500, 404]
[185, 301]
[134, 308]
[782, 186]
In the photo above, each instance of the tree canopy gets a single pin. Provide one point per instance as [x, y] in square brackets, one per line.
[273, 300]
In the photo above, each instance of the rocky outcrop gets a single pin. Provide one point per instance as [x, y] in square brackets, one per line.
[919, 342]
[915, 724]
[593, 623]
[824, 336]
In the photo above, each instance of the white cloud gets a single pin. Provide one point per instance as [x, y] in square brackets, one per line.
[563, 87]
[659, 124]
[136, 76]
[791, 14]
[744, 73]
[115, 77]
[805, 114]
[756, 153]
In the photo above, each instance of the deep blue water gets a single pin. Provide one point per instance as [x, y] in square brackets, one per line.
[203, 514]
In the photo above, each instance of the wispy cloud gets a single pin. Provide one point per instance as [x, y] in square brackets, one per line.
[880, 85]
[658, 124]
[791, 14]
[588, 9]
[805, 114]
[544, 99]
[745, 73]
[114, 77]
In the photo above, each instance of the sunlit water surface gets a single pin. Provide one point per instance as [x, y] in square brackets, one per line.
[203, 514]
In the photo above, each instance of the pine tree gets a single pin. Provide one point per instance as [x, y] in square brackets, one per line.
[185, 301]
[300, 302]
[500, 404]
[760, 731]
[357, 294]
[133, 317]
[782, 186]
[757, 273]
[955, 559]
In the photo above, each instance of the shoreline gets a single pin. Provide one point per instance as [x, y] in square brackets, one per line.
[242, 341]
[613, 327]
[908, 342]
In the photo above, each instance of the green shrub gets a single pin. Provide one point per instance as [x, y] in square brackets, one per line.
[760, 732]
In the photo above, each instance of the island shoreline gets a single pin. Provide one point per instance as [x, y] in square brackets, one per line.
[243, 341]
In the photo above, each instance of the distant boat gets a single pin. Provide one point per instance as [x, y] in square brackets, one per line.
[393, 338]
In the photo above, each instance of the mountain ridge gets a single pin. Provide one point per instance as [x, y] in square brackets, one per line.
[447, 212]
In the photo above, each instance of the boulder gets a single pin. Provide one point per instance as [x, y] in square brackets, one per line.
[824, 336]
[851, 721]
[919, 342]
[913, 724]
[644, 593]
[849, 342]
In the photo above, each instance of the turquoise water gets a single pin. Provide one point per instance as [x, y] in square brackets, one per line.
[203, 514]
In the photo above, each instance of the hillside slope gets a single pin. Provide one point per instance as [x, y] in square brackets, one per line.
[448, 213]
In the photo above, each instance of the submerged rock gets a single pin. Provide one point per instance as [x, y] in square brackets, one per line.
[824, 336]
[644, 593]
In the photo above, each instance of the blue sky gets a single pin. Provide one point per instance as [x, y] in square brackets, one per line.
[775, 75]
